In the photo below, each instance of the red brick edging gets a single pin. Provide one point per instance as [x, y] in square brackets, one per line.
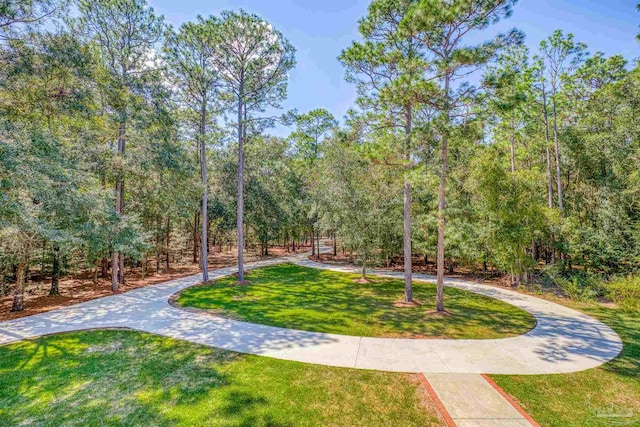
[510, 400]
[432, 393]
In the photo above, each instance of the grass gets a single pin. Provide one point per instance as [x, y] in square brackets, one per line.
[605, 396]
[116, 378]
[292, 296]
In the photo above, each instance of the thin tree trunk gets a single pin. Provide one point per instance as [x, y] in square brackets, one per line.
[313, 243]
[204, 241]
[194, 251]
[55, 272]
[548, 151]
[104, 267]
[116, 275]
[441, 208]
[408, 287]
[556, 145]
[115, 261]
[18, 294]
[167, 241]
[335, 244]
[513, 144]
[240, 208]
[121, 269]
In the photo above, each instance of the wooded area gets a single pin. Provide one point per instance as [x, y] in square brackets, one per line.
[127, 143]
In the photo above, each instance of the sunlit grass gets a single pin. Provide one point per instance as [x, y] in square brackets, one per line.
[292, 296]
[126, 378]
[605, 396]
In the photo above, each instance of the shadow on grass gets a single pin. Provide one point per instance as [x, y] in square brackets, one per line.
[120, 378]
[310, 299]
[128, 378]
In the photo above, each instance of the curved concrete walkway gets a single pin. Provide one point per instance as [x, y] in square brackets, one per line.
[564, 340]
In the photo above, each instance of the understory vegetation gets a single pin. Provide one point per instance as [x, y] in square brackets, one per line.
[292, 296]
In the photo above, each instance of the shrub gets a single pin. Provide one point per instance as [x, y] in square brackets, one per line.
[576, 285]
[625, 291]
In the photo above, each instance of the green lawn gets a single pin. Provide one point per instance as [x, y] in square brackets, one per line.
[605, 396]
[116, 378]
[292, 296]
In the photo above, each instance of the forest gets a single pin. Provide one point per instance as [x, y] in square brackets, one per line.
[129, 145]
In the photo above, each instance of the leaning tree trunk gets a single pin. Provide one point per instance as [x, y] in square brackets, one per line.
[205, 196]
[18, 294]
[55, 272]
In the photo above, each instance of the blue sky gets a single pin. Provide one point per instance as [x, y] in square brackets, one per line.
[321, 29]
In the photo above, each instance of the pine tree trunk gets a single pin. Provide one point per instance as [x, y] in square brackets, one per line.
[204, 240]
[441, 211]
[548, 151]
[556, 144]
[408, 279]
[513, 143]
[117, 276]
[240, 205]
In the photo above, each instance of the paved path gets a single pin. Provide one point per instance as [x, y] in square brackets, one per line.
[564, 340]
[472, 400]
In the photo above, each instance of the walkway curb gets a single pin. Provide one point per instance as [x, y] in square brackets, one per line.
[436, 400]
[509, 399]
[469, 400]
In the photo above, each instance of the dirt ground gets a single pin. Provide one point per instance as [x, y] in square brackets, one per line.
[419, 266]
[80, 287]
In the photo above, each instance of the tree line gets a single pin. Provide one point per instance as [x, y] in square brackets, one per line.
[122, 138]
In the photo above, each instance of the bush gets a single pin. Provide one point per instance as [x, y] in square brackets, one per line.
[576, 285]
[625, 291]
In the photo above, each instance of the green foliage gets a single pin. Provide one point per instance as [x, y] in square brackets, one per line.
[625, 291]
[510, 211]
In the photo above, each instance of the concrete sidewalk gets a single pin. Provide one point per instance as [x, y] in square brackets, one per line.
[471, 400]
[563, 340]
